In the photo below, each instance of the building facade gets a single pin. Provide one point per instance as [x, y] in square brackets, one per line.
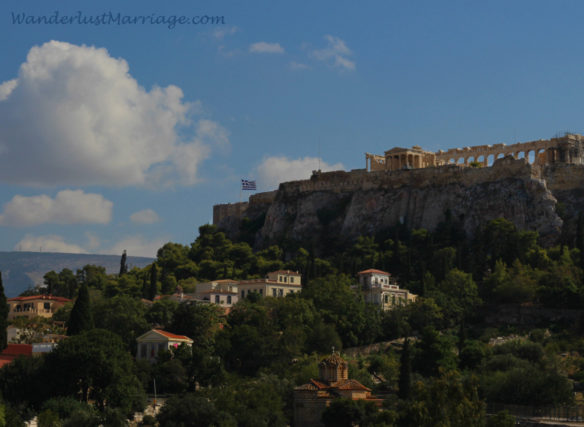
[35, 305]
[276, 284]
[380, 288]
[156, 340]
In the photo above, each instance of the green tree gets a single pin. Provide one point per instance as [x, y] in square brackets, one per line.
[123, 264]
[3, 316]
[448, 400]
[122, 315]
[153, 289]
[405, 371]
[96, 366]
[193, 410]
[81, 318]
[433, 352]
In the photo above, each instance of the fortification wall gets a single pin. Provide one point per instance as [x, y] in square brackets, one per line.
[235, 210]
[340, 181]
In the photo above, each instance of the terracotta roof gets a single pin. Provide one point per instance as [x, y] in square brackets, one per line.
[350, 385]
[39, 297]
[171, 335]
[374, 271]
[223, 281]
[340, 385]
[15, 350]
[312, 385]
[288, 272]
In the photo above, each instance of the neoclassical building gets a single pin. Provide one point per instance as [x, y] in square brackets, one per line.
[565, 149]
[312, 398]
[380, 288]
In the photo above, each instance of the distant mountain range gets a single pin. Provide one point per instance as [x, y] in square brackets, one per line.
[24, 270]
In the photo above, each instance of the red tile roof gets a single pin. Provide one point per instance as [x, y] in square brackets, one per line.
[172, 336]
[40, 297]
[12, 351]
[17, 350]
[374, 271]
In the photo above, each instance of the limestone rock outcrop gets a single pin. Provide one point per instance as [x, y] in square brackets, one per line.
[343, 205]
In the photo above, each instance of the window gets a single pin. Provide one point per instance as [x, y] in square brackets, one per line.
[285, 279]
[386, 299]
[216, 299]
[228, 299]
[291, 279]
[242, 294]
[261, 291]
[393, 300]
[274, 292]
[47, 306]
[280, 292]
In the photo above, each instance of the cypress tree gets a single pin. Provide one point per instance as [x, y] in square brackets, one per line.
[153, 279]
[3, 317]
[405, 371]
[123, 264]
[80, 319]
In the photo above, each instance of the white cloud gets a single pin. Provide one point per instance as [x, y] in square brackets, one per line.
[298, 66]
[146, 216]
[335, 53]
[68, 207]
[93, 241]
[47, 243]
[264, 47]
[75, 116]
[274, 170]
[138, 246]
[220, 33]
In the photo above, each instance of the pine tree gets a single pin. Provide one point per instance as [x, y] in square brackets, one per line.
[123, 265]
[81, 319]
[153, 279]
[3, 317]
[405, 371]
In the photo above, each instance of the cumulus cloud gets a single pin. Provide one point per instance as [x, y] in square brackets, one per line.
[335, 53]
[75, 115]
[264, 47]
[47, 243]
[68, 207]
[138, 246]
[274, 170]
[146, 216]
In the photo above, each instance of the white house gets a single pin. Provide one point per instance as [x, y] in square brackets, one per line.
[157, 340]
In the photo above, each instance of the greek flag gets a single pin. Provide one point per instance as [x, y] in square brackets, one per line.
[248, 185]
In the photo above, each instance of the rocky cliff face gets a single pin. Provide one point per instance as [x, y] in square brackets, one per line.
[345, 205]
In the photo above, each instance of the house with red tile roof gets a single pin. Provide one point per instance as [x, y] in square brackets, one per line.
[35, 305]
[156, 340]
[312, 398]
[380, 288]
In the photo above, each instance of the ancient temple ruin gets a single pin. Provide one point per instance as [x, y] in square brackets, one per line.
[566, 149]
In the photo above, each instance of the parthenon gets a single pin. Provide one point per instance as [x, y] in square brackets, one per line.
[566, 149]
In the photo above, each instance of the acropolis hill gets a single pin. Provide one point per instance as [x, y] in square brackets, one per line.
[522, 182]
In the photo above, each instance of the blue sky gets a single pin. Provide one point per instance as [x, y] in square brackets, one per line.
[124, 136]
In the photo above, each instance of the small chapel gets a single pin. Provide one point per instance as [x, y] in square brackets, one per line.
[312, 398]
